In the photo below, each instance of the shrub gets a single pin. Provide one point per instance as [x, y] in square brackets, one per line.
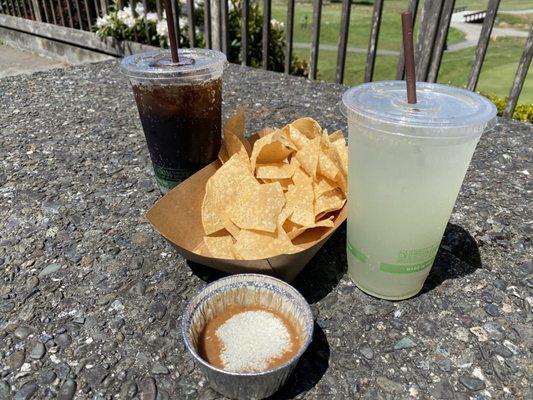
[146, 28]
[522, 112]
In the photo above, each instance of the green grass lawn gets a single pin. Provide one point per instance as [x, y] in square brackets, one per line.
[498, 70]
[505, 5]
[497, 74]
[360, 20]
[515, 21]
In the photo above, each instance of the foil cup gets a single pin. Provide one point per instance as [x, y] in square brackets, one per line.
[246, 289]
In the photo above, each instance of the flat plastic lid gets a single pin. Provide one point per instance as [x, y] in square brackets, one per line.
[441, 111]
[157, 64]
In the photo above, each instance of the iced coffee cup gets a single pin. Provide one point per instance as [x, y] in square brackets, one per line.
[179, 106]
[406, 165]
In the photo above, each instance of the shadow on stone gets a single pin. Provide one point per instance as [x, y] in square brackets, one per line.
[458, 256]
[310, 369]
[205, 273]
[325, 269]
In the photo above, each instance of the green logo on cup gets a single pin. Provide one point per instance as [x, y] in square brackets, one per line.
[170, 177]
[357, 254]
[405, 268]
[409, 260]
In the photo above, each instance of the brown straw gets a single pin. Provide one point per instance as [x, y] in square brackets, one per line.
[409, 54]
[171, 32]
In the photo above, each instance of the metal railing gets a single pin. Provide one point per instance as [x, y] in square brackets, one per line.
[435, 17]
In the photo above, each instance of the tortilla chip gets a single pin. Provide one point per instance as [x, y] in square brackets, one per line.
[275, 171]
[281, 136]
[341, 180]
[268, 150]
[235, 146]
[235, 124]
[234, 139]
[300, 177]
[326, 167]
[326, 223]
[337, 135]
[298, 138]
[300, 202]
[285, 183]
[221, 190]
[289, 226]
[308, 126]
[220, 246]
[284, 215]
[308, 156]
[264, 197]
[255, 245]
[323, 185]
[257, 207]
[329, 201]
[223, 154]
[341, 152]
[231, 228]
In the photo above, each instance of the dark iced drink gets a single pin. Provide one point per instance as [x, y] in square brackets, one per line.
[180, 109]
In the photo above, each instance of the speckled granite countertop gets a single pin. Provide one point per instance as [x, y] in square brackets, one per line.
[91, 296]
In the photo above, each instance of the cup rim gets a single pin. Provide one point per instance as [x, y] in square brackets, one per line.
[188, 311]
[204, 64]
[359, 104]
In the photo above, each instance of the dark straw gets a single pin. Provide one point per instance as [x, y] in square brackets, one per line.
[171, 32]
[409, 54]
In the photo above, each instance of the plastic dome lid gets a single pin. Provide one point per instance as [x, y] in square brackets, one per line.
[157, 64]
[441, 111]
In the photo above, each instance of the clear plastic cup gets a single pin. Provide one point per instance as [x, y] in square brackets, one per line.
[180, 109]
[406, 165]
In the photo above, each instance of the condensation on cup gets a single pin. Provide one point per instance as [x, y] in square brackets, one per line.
[406, 166]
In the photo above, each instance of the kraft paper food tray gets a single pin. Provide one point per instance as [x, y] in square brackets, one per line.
[177, 217]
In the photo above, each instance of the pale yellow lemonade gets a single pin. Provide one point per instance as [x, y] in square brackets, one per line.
[406, 190]
[406, 164]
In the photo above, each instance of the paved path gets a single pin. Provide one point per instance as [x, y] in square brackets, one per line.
[472, 31]
[15, 61]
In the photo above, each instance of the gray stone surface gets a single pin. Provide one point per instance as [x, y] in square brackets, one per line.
[76, 181]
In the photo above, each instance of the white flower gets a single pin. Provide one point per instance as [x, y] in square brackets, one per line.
[183, 21]
[161, 28]
[139, 9]
[277, 24]
[129, 22]
[151, 17]
[102, 22]
[230, 6]
[126, 17]
[123, 14]
[198, 3]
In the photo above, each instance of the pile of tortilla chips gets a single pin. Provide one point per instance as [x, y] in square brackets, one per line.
[264, 196]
